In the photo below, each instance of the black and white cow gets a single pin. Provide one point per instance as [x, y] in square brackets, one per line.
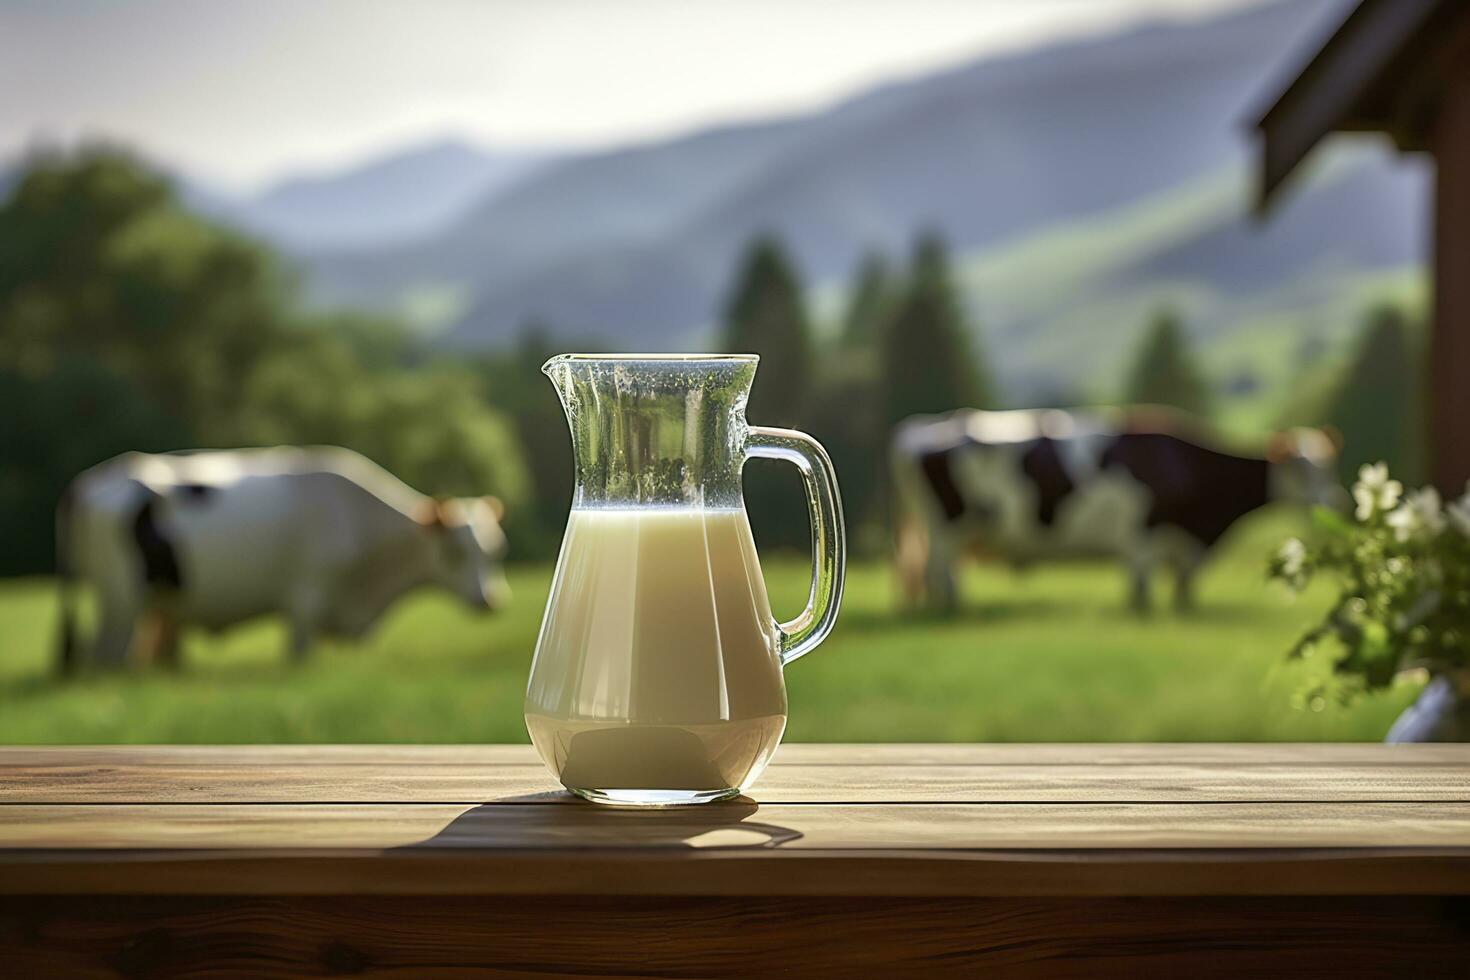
[212, 539]
[1142, 486]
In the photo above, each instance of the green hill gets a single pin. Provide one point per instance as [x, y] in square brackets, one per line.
[1060, 310]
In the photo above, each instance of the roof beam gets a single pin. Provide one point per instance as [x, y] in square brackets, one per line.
[1332, 86]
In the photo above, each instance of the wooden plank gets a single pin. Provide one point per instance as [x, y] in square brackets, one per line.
[790, 753]
[728, 871]
[335, 782]
[1125, 753]
[730, 937]
[746, 826]
[913, 820]
[255, 782]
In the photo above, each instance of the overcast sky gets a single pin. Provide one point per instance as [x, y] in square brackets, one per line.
[239, 91]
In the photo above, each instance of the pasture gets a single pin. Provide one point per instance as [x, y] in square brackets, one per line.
[1051, 655]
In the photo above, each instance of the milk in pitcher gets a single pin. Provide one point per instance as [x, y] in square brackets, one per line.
[658, 664]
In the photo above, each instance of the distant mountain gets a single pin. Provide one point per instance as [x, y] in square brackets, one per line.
[637, 245]
[387, 200]
[610, 201]
[1082, 187]
[1061, 310]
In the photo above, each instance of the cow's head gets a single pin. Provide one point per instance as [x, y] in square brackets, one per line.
[1304, 467]
[466, 548]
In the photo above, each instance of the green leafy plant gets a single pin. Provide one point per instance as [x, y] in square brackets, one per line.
[1403, 563]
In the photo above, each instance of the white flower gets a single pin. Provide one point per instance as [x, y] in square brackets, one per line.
[1458, 513]
[1293, 556]
[1420, 513]
[1374, 491]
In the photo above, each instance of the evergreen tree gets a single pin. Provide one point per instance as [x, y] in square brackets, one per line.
[765, 316]
[869, 302]
[1377, 402]
[1164, 371]
[928, 362]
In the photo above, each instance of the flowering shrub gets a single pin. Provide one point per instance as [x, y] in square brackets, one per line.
[1404, 565]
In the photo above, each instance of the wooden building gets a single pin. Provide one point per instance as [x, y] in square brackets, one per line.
[1401, 67]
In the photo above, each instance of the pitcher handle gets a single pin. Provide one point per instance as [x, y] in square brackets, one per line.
[829, 539]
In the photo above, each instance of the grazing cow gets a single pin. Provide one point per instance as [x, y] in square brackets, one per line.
[212, 539]
[1033, 486]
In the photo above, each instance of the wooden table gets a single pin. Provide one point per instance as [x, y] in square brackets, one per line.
[858, 860]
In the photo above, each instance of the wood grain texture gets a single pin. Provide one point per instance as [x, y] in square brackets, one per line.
[1034, 861]
[336, 782]
[737, 824]
[722, 937]
[800, 774]
[874, 874]
[898, 820]
[798, 753]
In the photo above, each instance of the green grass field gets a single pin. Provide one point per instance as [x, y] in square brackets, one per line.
[1051, 656]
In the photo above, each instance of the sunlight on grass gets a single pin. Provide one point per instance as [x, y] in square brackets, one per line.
[1048, 656]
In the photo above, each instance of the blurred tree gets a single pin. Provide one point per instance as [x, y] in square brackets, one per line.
[845, 415]
[765, 316]
[125, 323]
[513, 382]
[430, 427]
[1164, 371]
[927, 355]
[128, 323]
[55, 425]
[433, 429]
[1378, 400]
[379, 343]
[1309, 398]
[870, 302]
[97, 258]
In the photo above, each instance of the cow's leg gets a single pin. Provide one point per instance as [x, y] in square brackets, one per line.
[1140, 571]
[943, 576]
[910, 561]
[166, 638]
[306, 614]
[145, 636]
[1138, 597]
[1186, 565]
[117, 624]
[940, 572]
[1161, 546]
[301, 636]
[1184, 589]
[104, 556]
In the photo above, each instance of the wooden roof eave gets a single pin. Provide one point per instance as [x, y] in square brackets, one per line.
[1337, 89]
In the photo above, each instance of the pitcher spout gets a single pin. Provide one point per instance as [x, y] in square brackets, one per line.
[557, 369]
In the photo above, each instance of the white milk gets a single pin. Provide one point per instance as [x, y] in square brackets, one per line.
[657, 665]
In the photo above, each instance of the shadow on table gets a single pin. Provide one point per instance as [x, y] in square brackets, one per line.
[557, 820]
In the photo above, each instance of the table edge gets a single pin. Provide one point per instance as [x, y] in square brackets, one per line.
[727, 871]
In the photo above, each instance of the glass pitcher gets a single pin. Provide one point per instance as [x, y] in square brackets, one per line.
[657, 675]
